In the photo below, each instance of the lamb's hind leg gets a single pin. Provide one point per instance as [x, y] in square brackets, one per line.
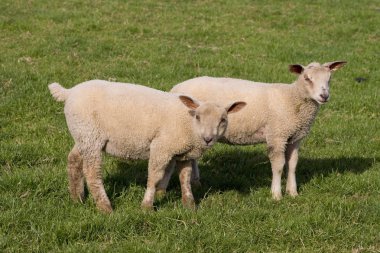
[93, 174]
[75, 173]
[195, 178]
[291, 163]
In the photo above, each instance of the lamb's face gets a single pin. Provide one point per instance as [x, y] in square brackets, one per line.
[210, 122]
[209, 119]
[317, 82]
[316, 78]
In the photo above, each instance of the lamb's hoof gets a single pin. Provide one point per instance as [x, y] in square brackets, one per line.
[276, 196]
[105, 208]
[189, 203]
[292, 193]
[147, 207]
[160, 194]
[77, 198]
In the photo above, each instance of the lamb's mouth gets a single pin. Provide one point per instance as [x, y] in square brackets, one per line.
[322, 102]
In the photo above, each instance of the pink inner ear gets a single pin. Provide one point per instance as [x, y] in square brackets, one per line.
[235, 107]
[190, 103]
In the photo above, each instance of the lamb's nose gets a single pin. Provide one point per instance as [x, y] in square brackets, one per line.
[324, 96]
[207, 139]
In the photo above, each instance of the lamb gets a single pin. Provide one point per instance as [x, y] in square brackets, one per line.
[279, 115]
[136, 122]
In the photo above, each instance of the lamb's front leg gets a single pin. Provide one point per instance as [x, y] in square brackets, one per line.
[163, 184]
[291, 163]
[276, 154]
[158, 162]
[185, 168]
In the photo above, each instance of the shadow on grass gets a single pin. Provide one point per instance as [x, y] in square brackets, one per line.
[127, 173]
[236, 169]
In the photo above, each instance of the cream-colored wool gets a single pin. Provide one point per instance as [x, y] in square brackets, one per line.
[277, 114]
[136, 122]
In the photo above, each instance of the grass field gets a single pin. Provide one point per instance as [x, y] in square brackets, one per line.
[159, 44]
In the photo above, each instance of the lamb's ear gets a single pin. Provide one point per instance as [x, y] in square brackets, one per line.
[335, 65]
[296, 68]
[189, 102]
[235, 107]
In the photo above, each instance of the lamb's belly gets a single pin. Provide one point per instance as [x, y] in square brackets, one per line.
[133, 151]
[246, 138]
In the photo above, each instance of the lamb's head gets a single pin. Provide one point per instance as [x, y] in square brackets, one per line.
[210, 120]
[316, 78]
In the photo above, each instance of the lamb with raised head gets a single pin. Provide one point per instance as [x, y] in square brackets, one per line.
[277, 114]
[136, 122]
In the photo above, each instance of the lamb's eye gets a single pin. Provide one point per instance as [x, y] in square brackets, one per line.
[307, 78]
[198, 118]
[223, 120]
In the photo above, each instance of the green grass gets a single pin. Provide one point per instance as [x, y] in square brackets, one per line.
[159, 44]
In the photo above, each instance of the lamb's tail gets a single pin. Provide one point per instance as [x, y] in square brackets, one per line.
[58, 92]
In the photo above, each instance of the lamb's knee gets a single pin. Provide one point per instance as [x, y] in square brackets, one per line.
[74, 159]
[277, 163]
[276, 154]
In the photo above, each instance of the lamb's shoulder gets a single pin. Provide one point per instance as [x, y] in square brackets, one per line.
[290, 117]
[180, 137]
[295, 120]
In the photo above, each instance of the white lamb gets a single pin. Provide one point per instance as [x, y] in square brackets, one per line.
[136, 122]
[277, 114]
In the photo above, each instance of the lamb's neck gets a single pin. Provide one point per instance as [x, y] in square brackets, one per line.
[305, 111]
[303, 103]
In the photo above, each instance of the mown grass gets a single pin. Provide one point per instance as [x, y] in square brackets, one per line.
[161, 43]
